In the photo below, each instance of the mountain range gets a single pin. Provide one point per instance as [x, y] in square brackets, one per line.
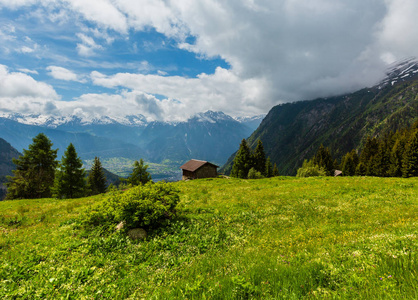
[202, 136]
[293, 132]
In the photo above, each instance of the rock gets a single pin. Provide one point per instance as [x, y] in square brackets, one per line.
[137, 234]
[120, 225]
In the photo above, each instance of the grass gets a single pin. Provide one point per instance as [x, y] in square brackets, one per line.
[279, 238]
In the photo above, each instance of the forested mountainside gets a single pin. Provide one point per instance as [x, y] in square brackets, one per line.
[7, 153]
[293, 132]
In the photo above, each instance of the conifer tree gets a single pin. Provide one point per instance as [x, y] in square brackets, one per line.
[269, 168]
[410, 159]
[242, 161]
[139, 174]
[349, 163]
[367, 156]
[382, 157]
[35, 171]
[69, 178]
[259, 158]
[96, 180]
[324, 160]
[396, 156]
[275, 170]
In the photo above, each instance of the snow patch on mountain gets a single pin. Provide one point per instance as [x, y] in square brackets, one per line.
[400, 72]
[54, 122]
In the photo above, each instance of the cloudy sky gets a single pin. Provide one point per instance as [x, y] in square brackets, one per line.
[169, 59]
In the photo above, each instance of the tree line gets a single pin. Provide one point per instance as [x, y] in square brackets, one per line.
[393, 155]
[252, 164]
[38, 174]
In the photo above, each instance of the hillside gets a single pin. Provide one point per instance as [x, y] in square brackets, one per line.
[88, 146]
[7, 153]
[293, 132]
[210, 136]
[279, 238]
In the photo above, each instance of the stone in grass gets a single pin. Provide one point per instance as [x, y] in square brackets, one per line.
[137, 234]
[120, 226]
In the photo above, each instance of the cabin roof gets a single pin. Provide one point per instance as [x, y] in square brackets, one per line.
[194, 164]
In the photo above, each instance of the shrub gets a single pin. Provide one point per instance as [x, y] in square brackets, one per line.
[253, 174]
[309, 169]
[141, 206]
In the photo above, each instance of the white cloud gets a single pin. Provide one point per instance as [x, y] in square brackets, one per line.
[102, 12]
[28, 71]
[87, 46]
[64, 74]
[222, 90]
[15, 85]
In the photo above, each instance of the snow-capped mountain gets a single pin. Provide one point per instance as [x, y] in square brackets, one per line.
[210, 135]
[400, 72]
[72, 120]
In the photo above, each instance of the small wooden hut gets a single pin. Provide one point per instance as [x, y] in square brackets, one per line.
[195, 169]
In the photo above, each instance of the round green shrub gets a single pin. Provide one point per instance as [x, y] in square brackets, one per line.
[142, 206]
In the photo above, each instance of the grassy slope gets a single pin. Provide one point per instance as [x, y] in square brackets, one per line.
[282, 238]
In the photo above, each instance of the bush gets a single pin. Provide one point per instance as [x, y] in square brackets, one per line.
[142, 206]
[309, 169]
[253, 174]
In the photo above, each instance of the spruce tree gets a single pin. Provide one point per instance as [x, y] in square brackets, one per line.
[410, 159]
[96, 180]
[35, 171]
[367, 156]
[139, 174]
[259, 158]
[275, 170]
[396, 156]
[242, 161]
[324, 160]
[349, 163]
[269, 168]
[69, 180]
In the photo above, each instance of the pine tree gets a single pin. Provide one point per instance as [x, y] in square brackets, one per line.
[35, 171]
[410, 159]
[324, 160]
[396, 156]
[139, 174]
[382, 157]
[349, 163]
[269, 168]
[367, 156]
[275, 170]
[242, 161]
[259, 158]
[96, 180]
[69, 179]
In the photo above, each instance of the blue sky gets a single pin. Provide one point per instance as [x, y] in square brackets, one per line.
[169, 59]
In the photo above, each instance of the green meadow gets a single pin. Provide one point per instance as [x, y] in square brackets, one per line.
[278, 238]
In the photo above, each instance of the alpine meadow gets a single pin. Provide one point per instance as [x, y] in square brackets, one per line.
[276, 238]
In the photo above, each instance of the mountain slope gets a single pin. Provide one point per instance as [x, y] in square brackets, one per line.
[208, 136]
[87, 146]
[7, 153]
[293, 132]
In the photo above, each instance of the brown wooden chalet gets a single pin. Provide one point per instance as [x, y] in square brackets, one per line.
[195, 169]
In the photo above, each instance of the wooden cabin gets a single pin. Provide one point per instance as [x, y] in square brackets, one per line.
[196, 169]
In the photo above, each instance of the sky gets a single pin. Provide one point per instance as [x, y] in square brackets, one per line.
[170, 59]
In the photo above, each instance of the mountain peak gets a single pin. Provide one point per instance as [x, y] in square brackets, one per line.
[400, 71]
[211, 117]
